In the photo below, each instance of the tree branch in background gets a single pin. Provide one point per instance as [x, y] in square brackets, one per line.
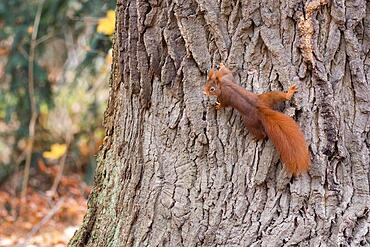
[31, 89]
[39, 225]
[61, 168]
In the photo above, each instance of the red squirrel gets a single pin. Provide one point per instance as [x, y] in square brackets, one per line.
[259, 117]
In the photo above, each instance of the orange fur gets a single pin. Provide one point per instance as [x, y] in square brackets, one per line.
[260, 119]
[287, 138]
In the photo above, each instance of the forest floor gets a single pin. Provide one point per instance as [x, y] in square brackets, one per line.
[43, 218]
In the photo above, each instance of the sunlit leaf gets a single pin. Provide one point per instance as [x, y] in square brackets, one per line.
[108, 57]
[44, 108]
[106, 24]
[56, 151]
[30, 29]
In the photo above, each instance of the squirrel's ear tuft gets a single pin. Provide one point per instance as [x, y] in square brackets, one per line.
[211, 72]
[224, 70]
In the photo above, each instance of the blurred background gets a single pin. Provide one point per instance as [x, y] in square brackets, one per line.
[55, 58]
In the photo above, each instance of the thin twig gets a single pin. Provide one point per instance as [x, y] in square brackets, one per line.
[92, 20]
[31, 92]
[45, 38]
[13, 191]
[44, 220]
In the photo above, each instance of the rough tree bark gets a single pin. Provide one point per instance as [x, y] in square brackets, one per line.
[174, 172]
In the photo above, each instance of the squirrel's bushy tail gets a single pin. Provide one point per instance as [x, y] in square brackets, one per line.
[287, 138]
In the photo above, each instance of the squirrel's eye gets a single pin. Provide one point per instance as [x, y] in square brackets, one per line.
[212, 89]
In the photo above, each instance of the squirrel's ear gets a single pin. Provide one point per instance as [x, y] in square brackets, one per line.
[224, 70]
[218, 77]
[211, 72]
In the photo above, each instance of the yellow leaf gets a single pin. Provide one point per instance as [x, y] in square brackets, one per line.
[111, 14]
[30, 29]
[44, 109]
[106, 24]
[108, 57]
[56, 151]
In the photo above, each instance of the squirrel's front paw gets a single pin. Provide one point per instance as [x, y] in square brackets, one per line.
[218, 105]
[291, 91]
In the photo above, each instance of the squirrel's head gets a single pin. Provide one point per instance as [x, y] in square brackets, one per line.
[215, 77]
[212, 85]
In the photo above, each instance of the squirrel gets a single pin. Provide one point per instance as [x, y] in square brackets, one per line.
[259, 117]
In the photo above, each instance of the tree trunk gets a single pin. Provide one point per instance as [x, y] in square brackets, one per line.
[174, 172]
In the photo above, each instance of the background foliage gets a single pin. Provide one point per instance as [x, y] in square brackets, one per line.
[68, 45]
[71, 69]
